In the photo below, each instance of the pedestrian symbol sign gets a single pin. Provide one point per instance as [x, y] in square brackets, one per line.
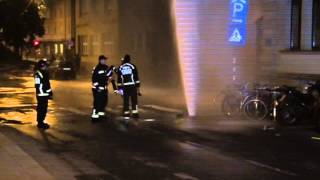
[238, 22]
[235, 36]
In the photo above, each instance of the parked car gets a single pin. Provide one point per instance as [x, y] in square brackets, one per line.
[62, 69]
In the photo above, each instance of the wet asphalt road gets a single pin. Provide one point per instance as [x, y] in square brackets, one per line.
[154, 147]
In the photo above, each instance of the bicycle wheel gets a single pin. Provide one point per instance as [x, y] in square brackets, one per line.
[256, 109]
[231, 105]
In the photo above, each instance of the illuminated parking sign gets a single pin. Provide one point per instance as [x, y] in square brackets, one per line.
[238, 22]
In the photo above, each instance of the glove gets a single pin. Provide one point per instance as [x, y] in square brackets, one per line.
[138, 91]
[118, 92]
[50, 95]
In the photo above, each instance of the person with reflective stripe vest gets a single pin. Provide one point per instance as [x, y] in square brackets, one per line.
[101, 74]
[43, 92]
[129, 83]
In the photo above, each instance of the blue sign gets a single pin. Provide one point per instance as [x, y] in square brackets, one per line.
[237, 32]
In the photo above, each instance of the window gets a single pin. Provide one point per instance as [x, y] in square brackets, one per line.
[83, 7]
[83, 45]
[107, 43]
[94, 5]
[61, 48]
[107, 6]
[95, 45]
[296, 7]
[56, 50]
[316, 25]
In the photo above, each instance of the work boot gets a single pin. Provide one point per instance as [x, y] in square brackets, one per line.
[126, 114]
[43, 125]
[101, 113]
[135, 115]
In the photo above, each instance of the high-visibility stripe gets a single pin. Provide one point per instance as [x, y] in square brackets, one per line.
[43, 94]
[127, 64]
[96, 84]
[40, 74]
[102, 88]
[101, 72]
[109, 73]
[40, 88]
[129, 83]
[49, 90]
[135, 111]
[101, 113]
[137, 82]
[37, 80]
[126, 112]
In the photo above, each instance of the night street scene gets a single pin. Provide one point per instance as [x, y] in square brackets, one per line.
[160, 89]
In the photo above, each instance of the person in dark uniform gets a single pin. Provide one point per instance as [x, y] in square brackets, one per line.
[101, 74]
[43, 92]
[128, 81]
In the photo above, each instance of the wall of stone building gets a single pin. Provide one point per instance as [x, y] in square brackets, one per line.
[264, 57]
[148, 30]
[215, 64]
[305, 61]
[219, 64]
[58, 19]
[97, 20]
[146, 33]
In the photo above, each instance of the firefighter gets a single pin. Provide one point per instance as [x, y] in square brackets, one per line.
[101, 74]
[129, 83]
[43, 92]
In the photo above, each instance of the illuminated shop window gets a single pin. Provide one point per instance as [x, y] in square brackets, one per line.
[316, 25]
[295, 35]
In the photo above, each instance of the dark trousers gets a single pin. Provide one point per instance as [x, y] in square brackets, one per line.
[100, 100]
[130, 92]
[42, 108]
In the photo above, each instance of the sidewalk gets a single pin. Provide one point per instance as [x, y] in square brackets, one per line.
[16, 164]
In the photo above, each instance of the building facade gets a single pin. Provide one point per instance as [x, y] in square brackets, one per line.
[183, 46]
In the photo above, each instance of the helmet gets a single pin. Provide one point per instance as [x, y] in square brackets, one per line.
[41, 63]
[126, 58]
[102, 57]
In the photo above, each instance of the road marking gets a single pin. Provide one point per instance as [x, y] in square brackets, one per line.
[315, 138]
[73, 110]
[272, 168]
[149, 120]
[161, 108]
[184, 176]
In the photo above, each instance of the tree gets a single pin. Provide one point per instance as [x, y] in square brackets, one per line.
[20, 23]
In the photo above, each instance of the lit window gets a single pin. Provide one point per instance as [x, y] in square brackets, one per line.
[61, 48]
[56, 49]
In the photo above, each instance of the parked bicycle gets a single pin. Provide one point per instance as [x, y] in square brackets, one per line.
[234, 99]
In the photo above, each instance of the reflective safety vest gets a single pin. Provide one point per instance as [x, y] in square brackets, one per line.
[42, 83]
[128, 75]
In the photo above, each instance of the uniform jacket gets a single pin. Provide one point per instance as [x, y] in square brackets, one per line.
[42, 84]
[100, 76]
[128, 75]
